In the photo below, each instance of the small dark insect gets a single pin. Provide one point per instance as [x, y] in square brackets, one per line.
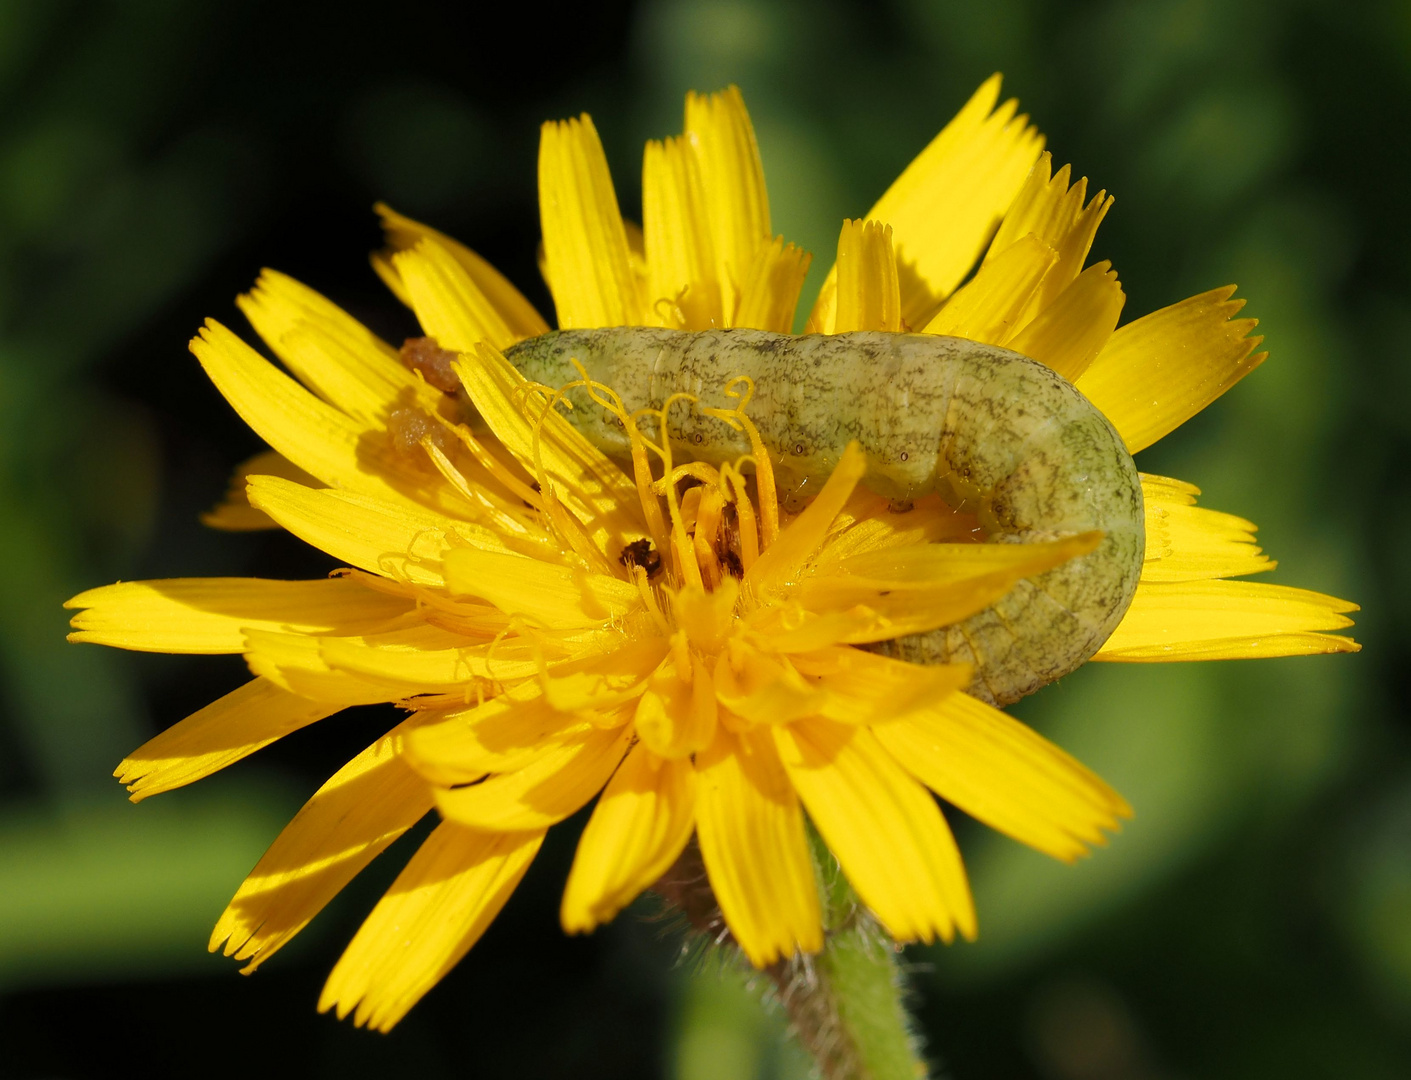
[424, 354]
[731, 561]
[641, 553]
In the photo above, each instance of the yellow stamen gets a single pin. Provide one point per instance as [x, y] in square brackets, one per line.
[606, 397]
[764, 472]
[499, 516]
[683, 558]
[696, 470]
[744, 511]
[494, 466]
[707, 526]
[564, 523]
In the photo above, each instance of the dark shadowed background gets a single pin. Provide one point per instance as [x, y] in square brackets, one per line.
[1253, 920]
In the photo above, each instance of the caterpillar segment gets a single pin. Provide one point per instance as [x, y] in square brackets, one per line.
[992, 432]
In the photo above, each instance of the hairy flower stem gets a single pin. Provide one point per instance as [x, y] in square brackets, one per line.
[844, 1004]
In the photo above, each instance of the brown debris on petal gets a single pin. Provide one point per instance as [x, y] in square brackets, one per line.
[424, 354]
[408, 427]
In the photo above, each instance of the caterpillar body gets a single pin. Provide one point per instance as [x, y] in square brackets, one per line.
[992, 432]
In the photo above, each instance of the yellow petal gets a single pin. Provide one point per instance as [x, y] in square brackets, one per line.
[770, 287]
[501, 735]
[612, 671]
[585, 245]
[226, 730]
[234, 513]
[926, 565]
[1227, 620]
[676, 714]
[330, 352]
[873, 525]
[517, 312]
[549, 788]
[719, 132]
[912, 590]
[1185, 542]
[1045, 207]
[782, 561]
[883, 826]
[210, 615]
[639, 827]
[295, 662]
[447, 302]
[479, 622]
[336, 448]
[556, 597]
[761, 689]
[864, 688]
[392, 540]
[752, 840]
[1054, 212]
[792, 631]
[945, 206]
[636, 254]
[683, 290]
[996, 769]
[350, 820]
[1154, 374]
[989, 307]
[1068, 334]
[390, 666]
[382, 265]
[425, 659]
[869, 297]
[1075, 245]
[438, 907]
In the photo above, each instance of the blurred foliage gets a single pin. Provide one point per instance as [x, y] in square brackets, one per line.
[1255, 917]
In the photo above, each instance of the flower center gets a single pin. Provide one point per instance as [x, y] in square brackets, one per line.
[706, 525]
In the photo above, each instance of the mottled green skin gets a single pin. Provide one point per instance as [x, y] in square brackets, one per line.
[993, 432]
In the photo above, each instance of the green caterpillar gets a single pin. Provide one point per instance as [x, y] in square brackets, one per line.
[992, 432]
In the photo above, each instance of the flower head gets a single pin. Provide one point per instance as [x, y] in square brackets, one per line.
[657, 633]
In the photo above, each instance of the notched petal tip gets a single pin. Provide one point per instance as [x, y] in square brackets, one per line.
[1158, 371]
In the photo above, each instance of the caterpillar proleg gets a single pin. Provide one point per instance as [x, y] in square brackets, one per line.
[992, 432]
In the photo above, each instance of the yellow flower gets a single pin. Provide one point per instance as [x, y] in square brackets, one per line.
[661, 634]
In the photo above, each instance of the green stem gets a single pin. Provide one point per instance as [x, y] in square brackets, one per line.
[845, 1004]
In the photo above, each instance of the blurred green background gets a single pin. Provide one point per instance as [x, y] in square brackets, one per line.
[1255, 917]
